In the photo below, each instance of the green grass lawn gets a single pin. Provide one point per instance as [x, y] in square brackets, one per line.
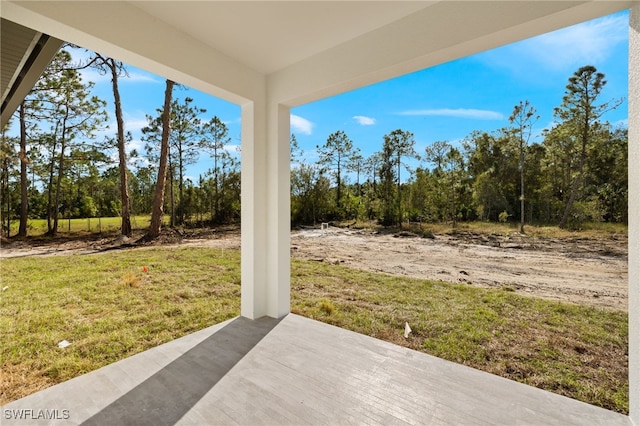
[38, 227]
[576, 351]
[109, 308]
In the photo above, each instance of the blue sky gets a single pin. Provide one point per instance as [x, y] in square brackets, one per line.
[446, 102]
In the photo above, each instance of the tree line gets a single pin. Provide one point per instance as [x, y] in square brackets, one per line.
[577, 173]
[58, 168]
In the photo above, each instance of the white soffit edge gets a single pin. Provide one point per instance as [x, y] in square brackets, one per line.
[296, 51]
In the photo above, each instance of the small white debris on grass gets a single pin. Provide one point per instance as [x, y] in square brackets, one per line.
[5, 288]
[63, 344]
[407, 330]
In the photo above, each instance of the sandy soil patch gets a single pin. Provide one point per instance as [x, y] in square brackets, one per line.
[578, 270]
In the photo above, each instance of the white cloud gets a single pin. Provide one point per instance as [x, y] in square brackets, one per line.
[364, 120]
[232, 149]
[139, 77]
[301, 125]
[133, 125]
[621, 123]
[591, 42]
[585, 43]
[136, 144]
[138, 162]
[477, 114]
[92, 74]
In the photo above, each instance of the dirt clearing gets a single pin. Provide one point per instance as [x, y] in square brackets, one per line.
[578, 270]
[583, 270]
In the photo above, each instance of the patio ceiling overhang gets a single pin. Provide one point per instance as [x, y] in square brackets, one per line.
[270, 56]
[301, 51]
[24, 54]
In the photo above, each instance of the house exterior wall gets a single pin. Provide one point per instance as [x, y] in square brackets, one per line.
[634, 214]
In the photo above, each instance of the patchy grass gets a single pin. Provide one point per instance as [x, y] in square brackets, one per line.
[108, 307]
[428, 230]
[113, 305]
[588, 230]
[38, 227]
[579, 352]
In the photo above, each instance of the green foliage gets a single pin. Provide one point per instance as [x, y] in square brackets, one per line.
[311, 200]
[87, 207]
[498, 174]
[576, 172]
[580, 113]
[73, 116]
[397, 145]
[326, 306]
[185, 141]
[335, 156]
[215, 136]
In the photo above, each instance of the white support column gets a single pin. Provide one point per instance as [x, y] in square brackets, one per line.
[278, 211]
[634, 214]
[253, 220]
[265, 210]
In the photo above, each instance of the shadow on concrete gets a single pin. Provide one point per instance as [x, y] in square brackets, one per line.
[166, 396]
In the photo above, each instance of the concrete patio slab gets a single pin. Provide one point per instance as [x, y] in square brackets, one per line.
[294, 371]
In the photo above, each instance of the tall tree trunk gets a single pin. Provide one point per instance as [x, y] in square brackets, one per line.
[578, 178]
[521, 187]
[5, 193]
[180, 188]
[50, 197]
[158, 199]
[399, 199]
[572, 196]
[215, 182]
[24, 200]
[52, 167]
[122, 155]
[56, 205]
[172, 220]
[338, 189]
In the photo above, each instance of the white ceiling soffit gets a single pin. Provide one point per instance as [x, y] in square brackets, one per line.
[16, 44]
[305, 49]
[444, 31]
[271, 35]
[24, 54]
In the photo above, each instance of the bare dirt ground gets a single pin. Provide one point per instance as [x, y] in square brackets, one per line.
[583, 270]
[578, 270]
